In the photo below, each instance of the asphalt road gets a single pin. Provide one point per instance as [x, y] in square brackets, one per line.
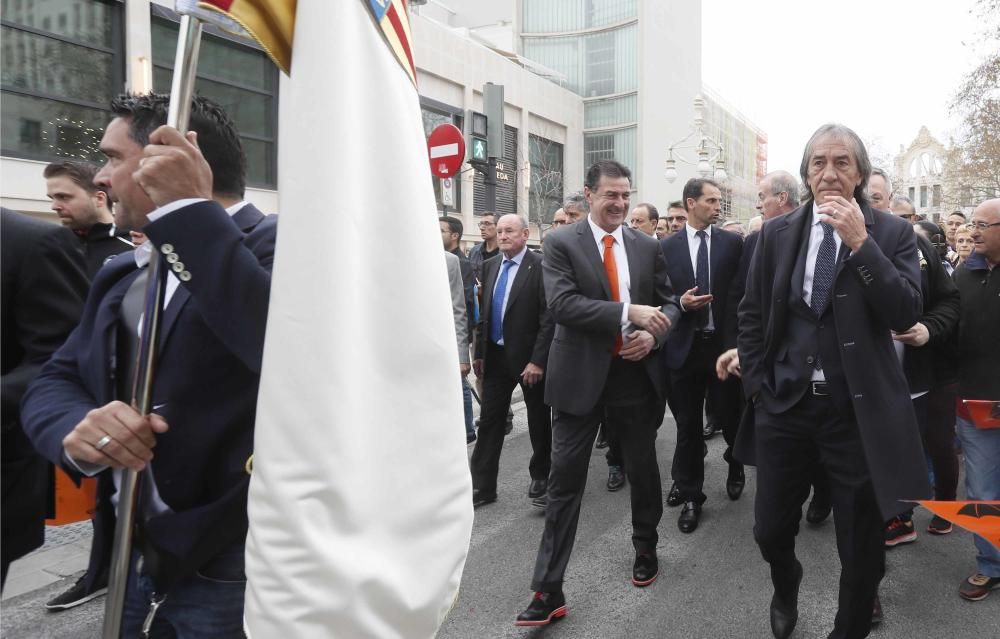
[712, 583]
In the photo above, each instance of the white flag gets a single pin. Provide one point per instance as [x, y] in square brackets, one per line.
[360, 500]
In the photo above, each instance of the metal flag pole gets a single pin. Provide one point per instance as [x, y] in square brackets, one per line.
[181, 92]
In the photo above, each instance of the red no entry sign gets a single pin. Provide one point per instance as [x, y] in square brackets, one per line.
[446, 150]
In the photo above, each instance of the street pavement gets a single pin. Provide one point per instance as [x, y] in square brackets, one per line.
[712, 583]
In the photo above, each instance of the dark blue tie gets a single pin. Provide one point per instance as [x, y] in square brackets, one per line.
[701, 278]
[496, 308]
[826, 262]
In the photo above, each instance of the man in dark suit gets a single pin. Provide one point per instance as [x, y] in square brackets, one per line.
[827, 286]
[612, 303]
[512, 347]
[44, 284]
[193, 497]
[702, 261]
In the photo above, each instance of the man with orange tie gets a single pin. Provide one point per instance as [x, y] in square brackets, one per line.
[612, 303]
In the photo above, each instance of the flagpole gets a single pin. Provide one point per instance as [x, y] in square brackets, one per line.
[181, 92]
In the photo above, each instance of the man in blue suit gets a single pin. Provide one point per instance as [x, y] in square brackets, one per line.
[702, 260]
[185, 193]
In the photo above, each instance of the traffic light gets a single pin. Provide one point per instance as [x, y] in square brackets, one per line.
[478, 147]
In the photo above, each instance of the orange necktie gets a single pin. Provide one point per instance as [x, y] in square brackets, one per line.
[611, 268]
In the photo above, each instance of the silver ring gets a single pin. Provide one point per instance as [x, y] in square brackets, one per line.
[104, 441]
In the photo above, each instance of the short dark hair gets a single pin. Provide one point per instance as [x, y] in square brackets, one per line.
[605, 168]
[931, 228]
[454, 224]
[695, 188]
[959, 214]
[676, 204]
[654, 215]
[845, 134]
[218, 138]
[82, 174]
[491, 214]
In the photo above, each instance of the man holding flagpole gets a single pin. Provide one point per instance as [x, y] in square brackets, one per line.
[185, 193]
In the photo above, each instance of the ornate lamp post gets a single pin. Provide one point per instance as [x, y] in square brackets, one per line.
[709, 152]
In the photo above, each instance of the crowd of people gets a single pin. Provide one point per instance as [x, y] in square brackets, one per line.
[839, 342]
[838, 346]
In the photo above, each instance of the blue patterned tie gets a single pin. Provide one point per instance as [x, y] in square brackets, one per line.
[701, 278]
[826, 261]
[496, 308]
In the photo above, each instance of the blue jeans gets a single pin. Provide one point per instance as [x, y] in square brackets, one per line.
[467, 399]
[208, 604]
[982, 482]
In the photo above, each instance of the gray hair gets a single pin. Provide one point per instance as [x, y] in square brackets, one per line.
[902, 199]
[784, 182]
[520, 218]
[845, 134]
[577, 200]
[885, 176]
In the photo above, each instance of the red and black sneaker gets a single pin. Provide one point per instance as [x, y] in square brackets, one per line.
[899, 531]
[939, 526]
[545, 607]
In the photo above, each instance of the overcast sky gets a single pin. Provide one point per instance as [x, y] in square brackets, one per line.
[882, 67]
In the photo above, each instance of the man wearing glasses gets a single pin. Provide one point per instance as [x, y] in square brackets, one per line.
[488, 248]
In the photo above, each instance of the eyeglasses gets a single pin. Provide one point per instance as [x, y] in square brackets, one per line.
[486, 225]
[980, 226]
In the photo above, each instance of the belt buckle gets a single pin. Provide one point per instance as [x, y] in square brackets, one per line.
[819, 389]
[707, 334]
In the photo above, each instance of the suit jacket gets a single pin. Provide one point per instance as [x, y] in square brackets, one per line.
[724, 261]
[207, 374]
[527, 323]
[587, 321]
[458, 306]
[44, 284]
[875, 290]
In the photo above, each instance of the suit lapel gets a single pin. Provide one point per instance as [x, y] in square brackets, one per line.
[490, 274]
[787, 242]
[172, 312]
[523, 273]
[632, 255]
[248, 217]
[845, 252]
[715, 256]
[684, 242]
[588, 244]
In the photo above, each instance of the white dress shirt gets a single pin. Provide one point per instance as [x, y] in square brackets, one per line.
[815, 239]
[621, 265]
[694, 242]
[511, 274]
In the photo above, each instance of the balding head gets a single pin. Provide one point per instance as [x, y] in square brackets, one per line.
[512, 234]
[985, 227]
[777, 194]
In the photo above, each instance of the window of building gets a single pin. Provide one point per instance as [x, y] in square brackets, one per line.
[435, 114]
[936, 196]
[611, 145]
[923, 197]
[592, 64]
[913, 193]
[239, 76]
[507, 176]
[57, 81]
[554, 16]
[611, 112]
[545, 191]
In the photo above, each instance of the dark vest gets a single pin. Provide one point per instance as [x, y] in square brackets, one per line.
[808, 338]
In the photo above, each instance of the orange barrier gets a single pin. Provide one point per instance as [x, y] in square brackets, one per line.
[73, 503]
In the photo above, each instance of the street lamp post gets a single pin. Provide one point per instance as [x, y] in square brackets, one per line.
[710, 154]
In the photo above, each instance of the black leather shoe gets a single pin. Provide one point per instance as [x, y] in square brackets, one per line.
[735, 482]
[818, 511]
[508, 426]
[616, 478]
[537, 487]
[876, 611]
[481, 498]
[674, 496]
[645, 569]
[688, 520]
[545, 607]
[708, 430]
[785, 610]
[540, 502]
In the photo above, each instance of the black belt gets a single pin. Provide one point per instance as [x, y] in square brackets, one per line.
[819, 389]
[704, 334]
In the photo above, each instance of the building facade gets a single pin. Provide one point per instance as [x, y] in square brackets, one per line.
[745, 147]
[920, 175]
[63, 60]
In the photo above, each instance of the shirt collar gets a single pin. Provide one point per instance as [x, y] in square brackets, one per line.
[693, 232]
[517, 258]
[599, 233]
[816, 215]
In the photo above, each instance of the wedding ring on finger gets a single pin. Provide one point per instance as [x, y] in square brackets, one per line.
[102, 442]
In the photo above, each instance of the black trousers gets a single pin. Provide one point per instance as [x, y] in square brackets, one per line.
[939, 440]
[788, 446]
[688, 388]
[498, 384]
[629, 408]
